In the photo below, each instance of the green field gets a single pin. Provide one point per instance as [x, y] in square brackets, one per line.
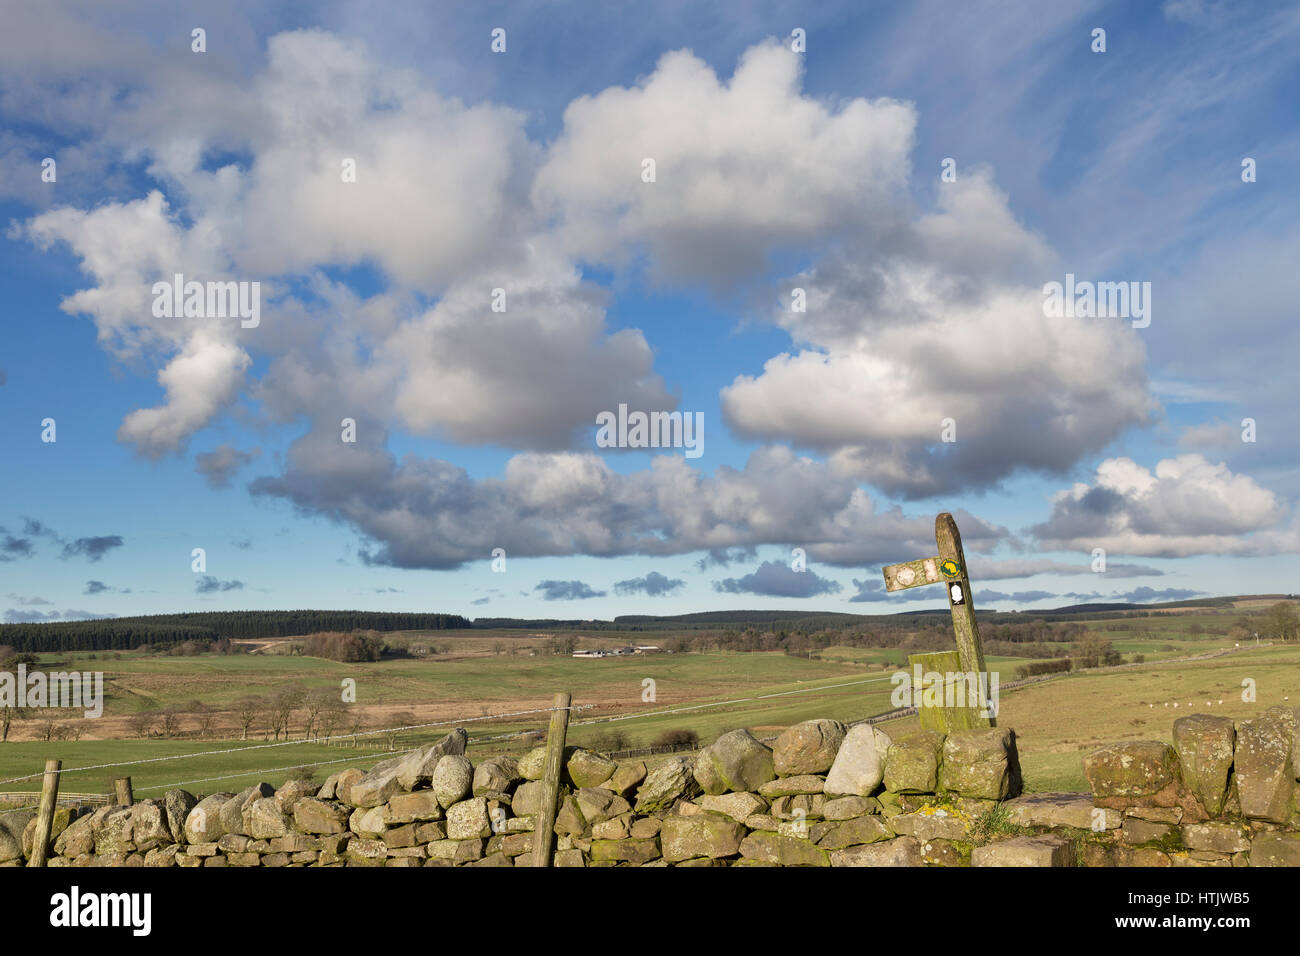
[475, 675]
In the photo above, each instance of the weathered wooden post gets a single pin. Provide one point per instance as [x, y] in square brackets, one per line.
[45, 815]
[949, 566]
[544, 830]
[122, 787]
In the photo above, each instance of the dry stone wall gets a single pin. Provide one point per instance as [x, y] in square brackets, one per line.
[1222, 794]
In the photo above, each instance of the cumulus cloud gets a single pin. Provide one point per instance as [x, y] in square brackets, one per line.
[869, 590]
[458, 378]
[434, 221]
[32, 601]
[219, 465]
[93, 549]
[653, 584]
[1016, 597]
[36, 528]
[1141, 595]
[914, 316]
[207, 584]
[743, 167]
[725, 557]
[778, 579]
[985, 569]
[1186, 506]
[96, 587]
[1210, 435]
[428, 513]
[566, 591]
[943, 325]
[12, 548]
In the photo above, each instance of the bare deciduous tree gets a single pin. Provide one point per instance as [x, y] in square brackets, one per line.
[247, 710]
[282, 705]
[7, 716]
[141, 722]
[169, 723]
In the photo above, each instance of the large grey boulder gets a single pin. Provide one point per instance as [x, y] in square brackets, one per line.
[735, 762]
[469, 820]
[1275, 849]
[292, 791]
[78, 839]
[1264, 772]
[1216, 837]
[809, 747]
[368, 822]
[790, 786]
[381, 783]
[418, 767]
[311, 815]
[912, 763]
[589, 769]
[1137, 768]
[859, 766]
[1045, 850]
[533, 764]
[1075, 810]
[738, 806]
[707, 835]
[1206, 745]
[415, 807]
[859, 830]
[12, 825]
[232, 811]
[149, 827]
[264, 820]
[203, 824]
[903, 851]
[527, 798]
[496, 775]
[452, 779]
[932, 823]
[112, 826]
[597, 804]
[981, 763]
[782, 849]
[626, 778]
[178, 804]
[666, 783]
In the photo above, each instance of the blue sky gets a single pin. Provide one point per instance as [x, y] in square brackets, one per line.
[523, 170]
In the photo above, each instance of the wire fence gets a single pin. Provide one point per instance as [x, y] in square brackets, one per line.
[525, 735]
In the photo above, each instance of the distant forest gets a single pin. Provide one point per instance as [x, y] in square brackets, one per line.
[128, 633]
[769, 629]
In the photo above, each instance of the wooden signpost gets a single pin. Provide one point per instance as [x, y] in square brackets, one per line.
[949, 568]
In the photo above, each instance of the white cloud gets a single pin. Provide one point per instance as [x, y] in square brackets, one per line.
[906, 348]
[427, 513]
[743, 167]
[1186, 506]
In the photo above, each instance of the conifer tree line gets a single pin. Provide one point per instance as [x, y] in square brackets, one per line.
[127, 633]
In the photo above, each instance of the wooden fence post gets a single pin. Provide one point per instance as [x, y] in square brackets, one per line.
[544, 830]
[125, 796]
[45, 815]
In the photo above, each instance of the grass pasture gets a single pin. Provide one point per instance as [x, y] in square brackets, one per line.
[474, 674]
